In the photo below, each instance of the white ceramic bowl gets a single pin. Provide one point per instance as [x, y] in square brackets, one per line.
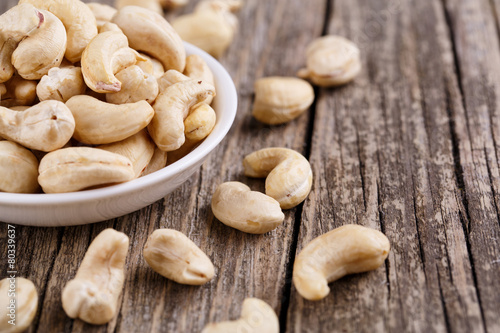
[105, 203]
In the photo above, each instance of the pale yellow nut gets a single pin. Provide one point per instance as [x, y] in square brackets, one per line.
[23, 310]
[16, 24]
[19, 169]
[108, 26]
[152, 66]
[231, 5]
[139, 149]
[235, 205]
[79, 168]
[197, 68]
[172, 107]
[78, 19]
[279, 100]
[136, 86]
[331, 61]
[169, 78]
[107, 54]
[98, 122]
[256, 317]
[345, 250]
[173, 255]
[61, 84]
[18, 92]
[150, 33]
[93, 294]
[42, 50]
[102, 13]
[153, 5]
[158, 162]
[210, 29]
[288, 174]
[46, 126]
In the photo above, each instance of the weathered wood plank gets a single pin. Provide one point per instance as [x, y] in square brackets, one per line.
[389, 163]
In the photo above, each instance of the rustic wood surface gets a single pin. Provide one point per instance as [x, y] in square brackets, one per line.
[410, 148]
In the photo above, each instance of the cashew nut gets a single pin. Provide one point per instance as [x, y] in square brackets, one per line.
[78, 19]
[235, 205]
[93, 294]
[45, 126]
[345, 250]
[16, 24]
[174, 256]
[231, 5]
[281, 99]
[102, 13]
[152, 66]
[136, 86]
[19, 169]
[18, 92]
[173, 4]
[289, 174]
[169, 78]
[197, 126]
[107, 54]
[158, 162]
[151, 33]
[61, 84]
[197, 68]
[153, 5]
[256, 317]
[138, 149]
[331, 61]
[172, 107]
[211, 27]
[108, 26]
[24, 308]
[98, 122]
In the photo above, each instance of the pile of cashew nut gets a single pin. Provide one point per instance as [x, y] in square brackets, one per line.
[93, 96]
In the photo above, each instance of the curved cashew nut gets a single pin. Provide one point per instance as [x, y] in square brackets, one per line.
[98, 122]
[18, 92]
[93, 294]
[16, 24]
[197, 68]
[158, 162]
[153, 5]
[281, 99]
[78, 19]
[19, 169]
[172, 107]
[46, 126]
[256, 317]
[25, 307]
[136, 86]
[235, 205]
[289, 174]
[138, 148]
[331, 61]
[152, 66]
[169, 78]
[345, 250]
[174, 256]
[78, 168]
[102, 13]
[151, 33]
[61, 83]
[108, 26]
[107, 54]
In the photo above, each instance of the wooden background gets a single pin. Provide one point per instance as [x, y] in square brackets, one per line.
[410, 148]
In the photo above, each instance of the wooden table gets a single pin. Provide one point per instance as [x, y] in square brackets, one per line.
[411, 148]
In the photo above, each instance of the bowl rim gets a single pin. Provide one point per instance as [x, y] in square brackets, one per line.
[198, 154]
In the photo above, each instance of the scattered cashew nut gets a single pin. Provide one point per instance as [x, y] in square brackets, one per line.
[331, 61]
[235, 205]
[78, 19]
[345, 250]
[289, 174]
[172, 107]
[61, 83]
[281, 99]
[25, 306]
[98, 122]
[173, 255]
[46, 126]
[93, 294]
[149, 32]
[256, 317]
[139, 149]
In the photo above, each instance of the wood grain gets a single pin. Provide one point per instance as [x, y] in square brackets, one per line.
[410, 148]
